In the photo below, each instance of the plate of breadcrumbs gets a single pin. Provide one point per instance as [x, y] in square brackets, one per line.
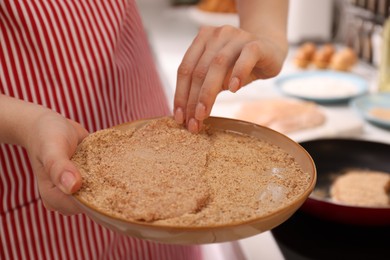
[154, 180]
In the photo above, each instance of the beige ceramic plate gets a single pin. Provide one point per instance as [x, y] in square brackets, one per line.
[221, 233]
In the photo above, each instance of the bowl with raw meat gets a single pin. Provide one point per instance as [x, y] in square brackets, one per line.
[353, 181]
[154, 180]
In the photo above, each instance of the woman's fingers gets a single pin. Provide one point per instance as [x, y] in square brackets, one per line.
[216, 80]
[64, 180]
[81, 132]
[58, 178]
[185, 72]
[216, 61]
[55, 200]
[61, 170]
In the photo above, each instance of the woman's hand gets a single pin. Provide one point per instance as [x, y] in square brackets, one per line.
[52, 141]
[227, 58]
[221, 58]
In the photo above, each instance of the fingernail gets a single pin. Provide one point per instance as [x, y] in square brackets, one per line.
[234, 84]
[193, 126]
[67, 181]
[179, 115]
[200, 111]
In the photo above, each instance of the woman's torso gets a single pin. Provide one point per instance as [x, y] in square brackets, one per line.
[89, 61]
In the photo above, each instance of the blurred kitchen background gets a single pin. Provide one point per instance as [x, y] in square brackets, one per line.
[363, 26]
[356, 23]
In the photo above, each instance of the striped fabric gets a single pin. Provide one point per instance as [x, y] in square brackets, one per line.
[89, 61]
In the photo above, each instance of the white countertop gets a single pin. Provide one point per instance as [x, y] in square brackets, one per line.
[170, 31]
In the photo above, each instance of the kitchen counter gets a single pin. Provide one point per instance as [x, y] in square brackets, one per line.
[170, 31]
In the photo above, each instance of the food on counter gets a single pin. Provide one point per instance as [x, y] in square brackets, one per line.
[340, 63]
[380, 113]
[362, 188]
[325, 57]
[304, 55]
[328, 49]
[160, 173]
[218, 6]
[343, 60]
[321, 60]
[350, 55]
[301, 60]
[309, 48]
[283, 115]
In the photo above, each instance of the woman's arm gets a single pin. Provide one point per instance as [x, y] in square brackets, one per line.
[15, 116]
[226, 57]
[267, 19]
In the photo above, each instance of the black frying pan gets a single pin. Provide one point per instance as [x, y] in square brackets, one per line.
[335, 155]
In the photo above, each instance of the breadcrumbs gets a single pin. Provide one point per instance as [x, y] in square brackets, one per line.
[162, 173]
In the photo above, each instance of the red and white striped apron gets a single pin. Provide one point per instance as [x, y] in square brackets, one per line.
[89, 61]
